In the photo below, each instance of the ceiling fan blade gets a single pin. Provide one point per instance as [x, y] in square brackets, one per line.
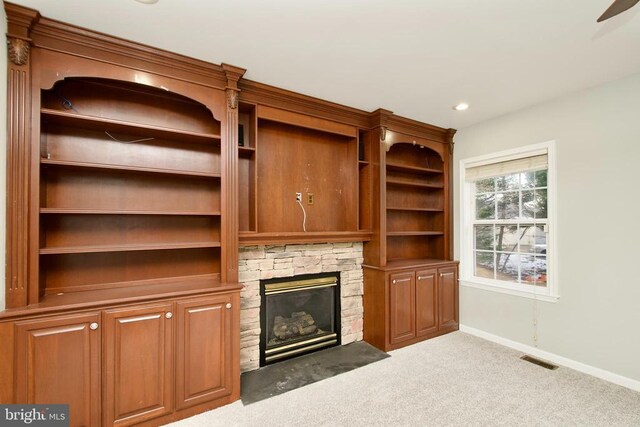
[617, 7]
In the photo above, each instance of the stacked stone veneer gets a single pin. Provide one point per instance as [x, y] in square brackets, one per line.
[268, 262]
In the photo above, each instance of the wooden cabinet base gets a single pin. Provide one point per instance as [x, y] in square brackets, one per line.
[129, 364]
[409, 302]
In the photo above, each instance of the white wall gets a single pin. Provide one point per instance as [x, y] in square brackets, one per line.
[3, 153]
[597, 319]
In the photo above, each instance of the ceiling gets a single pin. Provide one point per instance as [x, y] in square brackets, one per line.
[416, 58]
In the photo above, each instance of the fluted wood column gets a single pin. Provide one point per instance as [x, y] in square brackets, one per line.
[20, 21]
[230, 174]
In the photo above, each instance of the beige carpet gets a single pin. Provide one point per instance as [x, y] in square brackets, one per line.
[454, 380]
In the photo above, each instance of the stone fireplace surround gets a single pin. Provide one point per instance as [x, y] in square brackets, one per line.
[268, 262]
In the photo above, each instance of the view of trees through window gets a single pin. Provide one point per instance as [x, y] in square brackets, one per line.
[510, 228]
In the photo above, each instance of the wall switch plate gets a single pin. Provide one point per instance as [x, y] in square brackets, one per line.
[310, 198]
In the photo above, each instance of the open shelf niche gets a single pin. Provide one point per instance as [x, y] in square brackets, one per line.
[130, 188]
[282, 153]
[247, 152]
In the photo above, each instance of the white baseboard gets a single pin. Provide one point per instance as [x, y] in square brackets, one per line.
[554, 358]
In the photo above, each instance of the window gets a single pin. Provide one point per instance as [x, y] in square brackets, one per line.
[507, 214]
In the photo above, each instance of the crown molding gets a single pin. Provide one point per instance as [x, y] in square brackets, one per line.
[77, 41]
[260, 93]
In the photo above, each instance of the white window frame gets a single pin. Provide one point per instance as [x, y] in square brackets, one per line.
[548, 293]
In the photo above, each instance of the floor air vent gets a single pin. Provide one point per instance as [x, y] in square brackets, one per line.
[539, 362]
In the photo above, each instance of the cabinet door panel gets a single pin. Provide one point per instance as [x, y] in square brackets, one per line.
[58, 361]
[139, 374]
[426, 299]
[448, 297]
[203, 361]
[402, 307]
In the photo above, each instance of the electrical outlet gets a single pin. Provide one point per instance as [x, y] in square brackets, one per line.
[310, 198]
[298, 197]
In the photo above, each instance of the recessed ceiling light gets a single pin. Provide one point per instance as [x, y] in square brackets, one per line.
[461, 107]
[147, 1]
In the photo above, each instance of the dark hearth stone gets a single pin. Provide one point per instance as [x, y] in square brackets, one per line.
[290, 374]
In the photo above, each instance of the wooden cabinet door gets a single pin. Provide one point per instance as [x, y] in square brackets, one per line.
[203, 359]
[402, 324]
[138, 364]
[426, 302]
[448, 297]
[58, 361]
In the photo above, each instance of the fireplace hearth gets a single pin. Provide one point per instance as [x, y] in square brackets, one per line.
[299, 315]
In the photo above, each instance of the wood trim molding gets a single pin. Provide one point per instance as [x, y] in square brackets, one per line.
[250, 239]
[417, 129]
[230, 170]
[450, 134]
[18, 50]
[301, 120]
[20, 22]
[262, 94]
[259, 93]
[386, 121]
[61, 37]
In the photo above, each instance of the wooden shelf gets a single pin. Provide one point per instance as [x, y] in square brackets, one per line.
[63, 211]
[124, 168]
[414, 233]
[363, 163]
[400, 208]
[246, 151]
[126, 248]
[252, 238]
[100, 123]
[407, 168]
[414, 184]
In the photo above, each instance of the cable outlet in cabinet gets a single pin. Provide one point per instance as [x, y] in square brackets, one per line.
[298, 197]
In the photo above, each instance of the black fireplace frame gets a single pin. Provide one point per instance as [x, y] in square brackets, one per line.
[263, 313]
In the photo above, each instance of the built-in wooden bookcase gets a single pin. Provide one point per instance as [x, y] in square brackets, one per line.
[410, 278]
[121, 230]
[130, 188]
[415, 203]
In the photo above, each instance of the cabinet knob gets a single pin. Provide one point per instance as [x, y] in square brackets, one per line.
[93, 326]
[420, 277]
[393, 281]
[228, 305]
[168, 315]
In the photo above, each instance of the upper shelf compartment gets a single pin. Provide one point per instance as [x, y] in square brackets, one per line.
[407, 157]
[127, 107]
[119, 127]
[84, 125]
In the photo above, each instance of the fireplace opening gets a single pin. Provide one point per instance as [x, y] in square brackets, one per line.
[299, 315]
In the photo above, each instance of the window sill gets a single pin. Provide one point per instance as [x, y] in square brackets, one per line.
[509, 291]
